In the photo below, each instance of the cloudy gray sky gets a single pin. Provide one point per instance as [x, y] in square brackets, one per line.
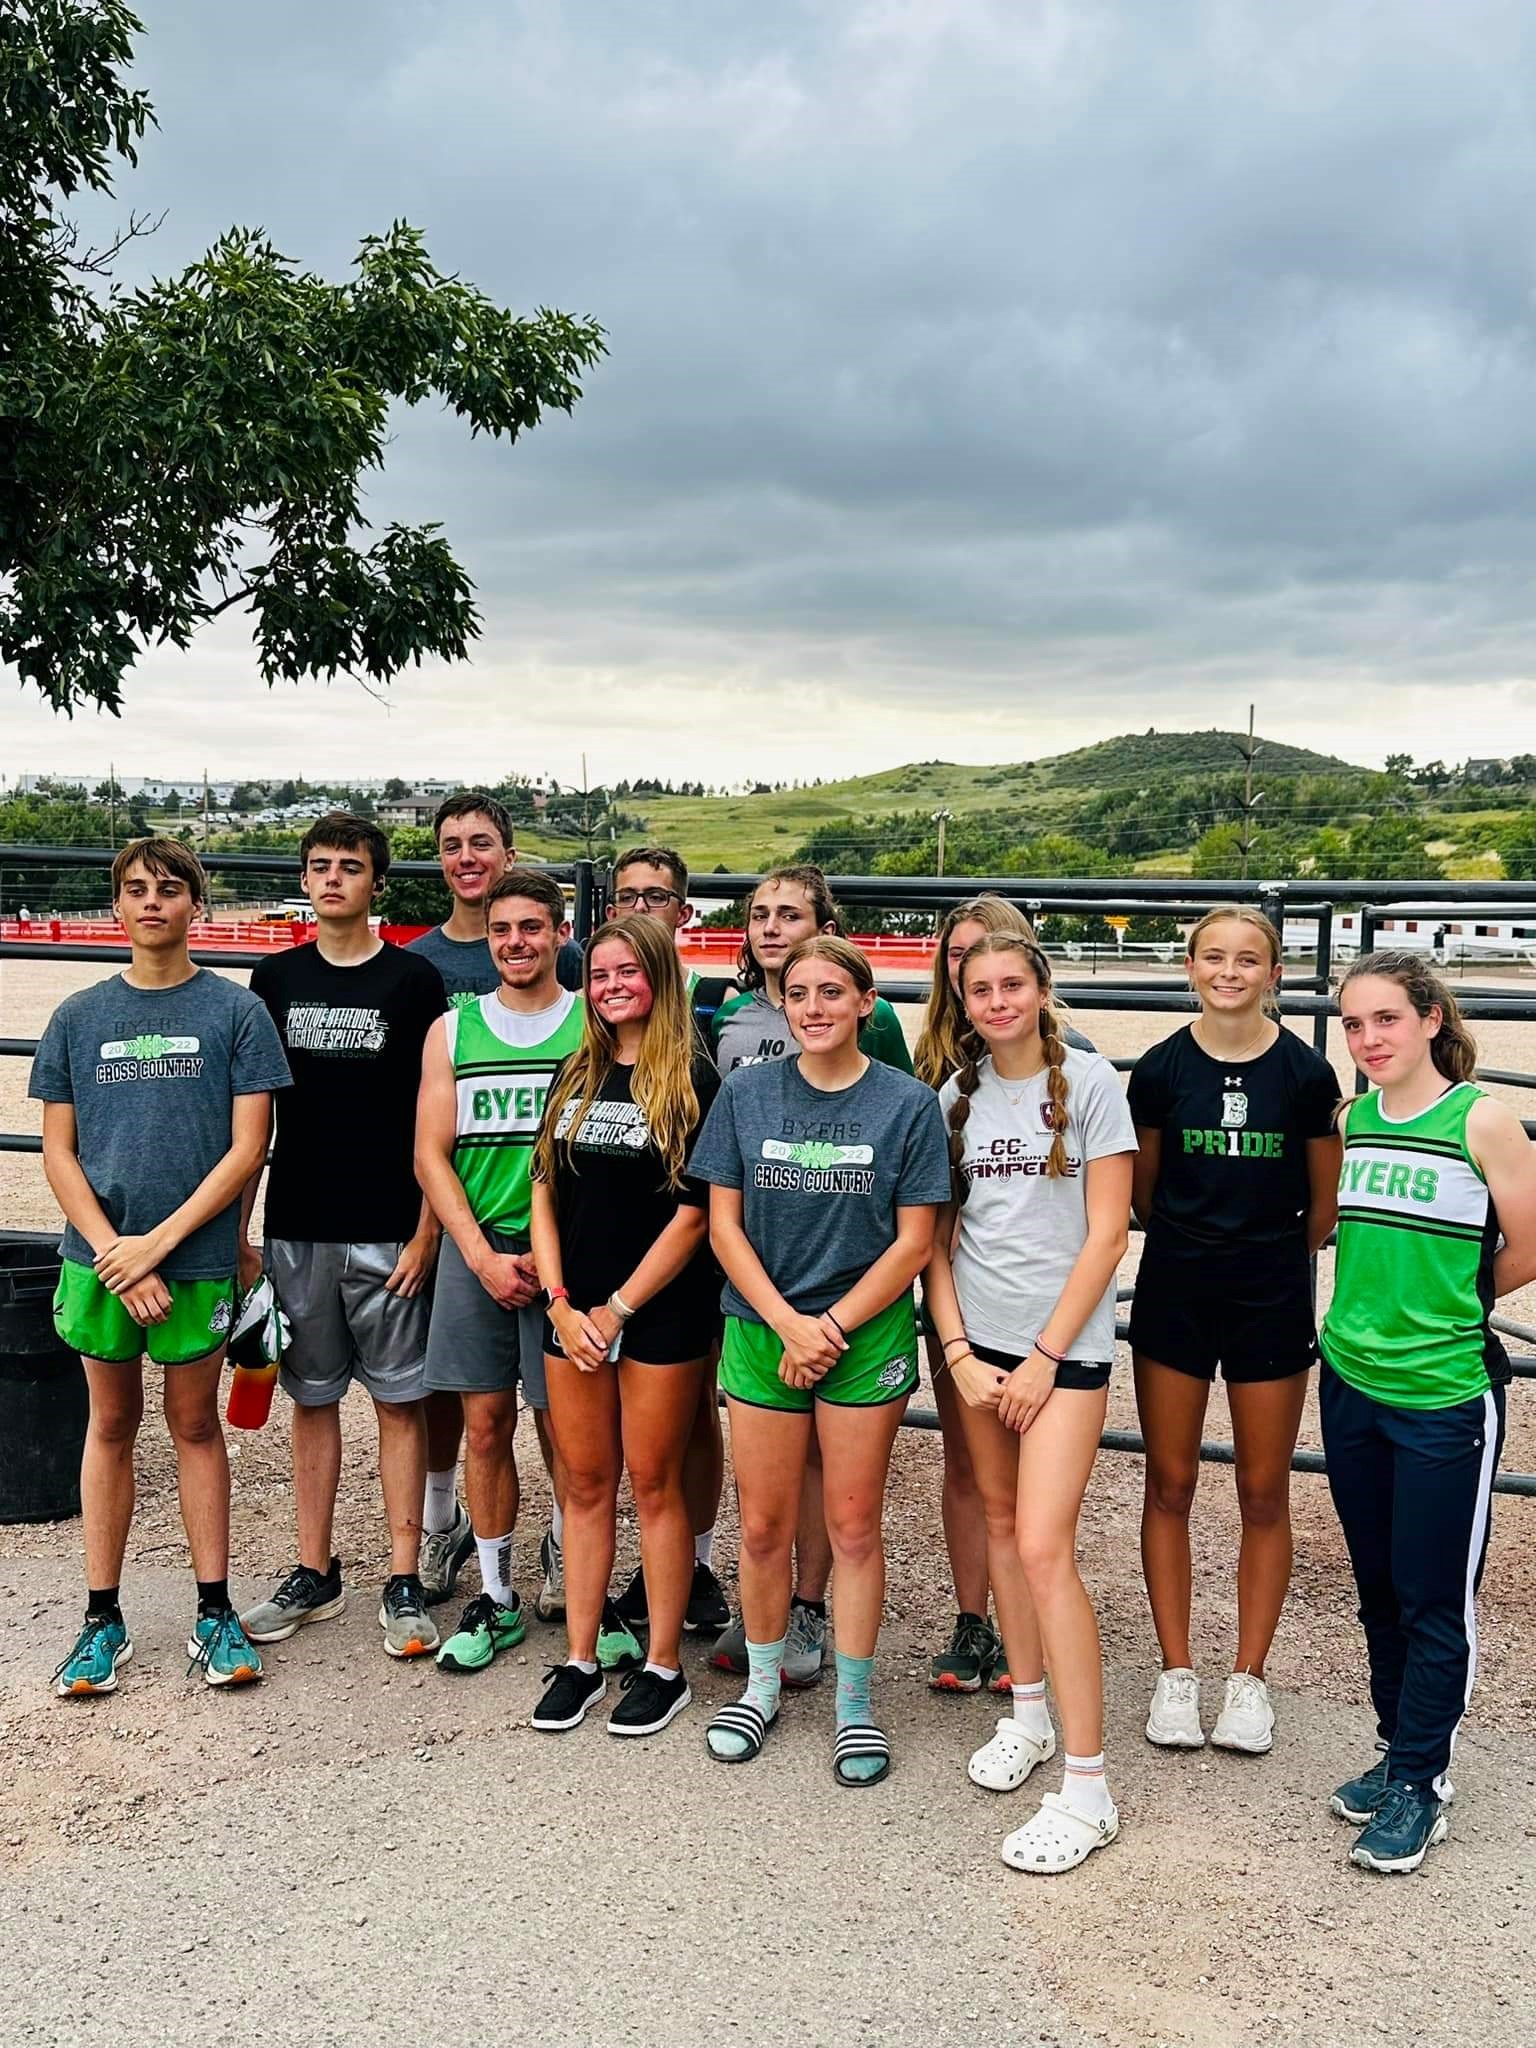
[985, 379]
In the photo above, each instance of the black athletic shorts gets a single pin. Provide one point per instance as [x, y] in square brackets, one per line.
[1246, 1308]
[675, 1336]
[1080, 1376]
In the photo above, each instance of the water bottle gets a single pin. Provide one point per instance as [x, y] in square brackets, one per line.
[250, 1396]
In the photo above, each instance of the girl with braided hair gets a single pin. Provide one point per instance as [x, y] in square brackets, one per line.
[973, 1656]
[1021, 1289]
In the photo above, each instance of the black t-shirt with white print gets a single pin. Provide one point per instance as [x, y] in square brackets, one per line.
[612, 1198]
[342, 1165]
[1233, 1167]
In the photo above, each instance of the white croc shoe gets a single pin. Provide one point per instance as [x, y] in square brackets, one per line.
[1003, 1764]
[1058, 1838]
[1174, 1720]
[1247, 1720]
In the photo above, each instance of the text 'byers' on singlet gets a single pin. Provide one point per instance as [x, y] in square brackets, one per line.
[503, 1063]
[1413, 1285]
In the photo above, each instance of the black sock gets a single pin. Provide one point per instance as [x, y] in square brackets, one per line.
[101, 1604]
[816, 1606]
[212, 1596]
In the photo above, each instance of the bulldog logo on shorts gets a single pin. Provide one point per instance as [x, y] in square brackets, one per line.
[894, 1373]
[1234, 1112]
[219, 1321]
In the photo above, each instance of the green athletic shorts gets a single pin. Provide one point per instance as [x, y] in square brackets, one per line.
[879, 1365]
[92, 1321]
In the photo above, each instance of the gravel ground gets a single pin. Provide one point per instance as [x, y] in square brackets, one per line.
[356, 1848]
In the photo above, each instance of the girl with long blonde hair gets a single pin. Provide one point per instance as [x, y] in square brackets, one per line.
[619, 1235]
[1021, 1288]
[1235, 1186]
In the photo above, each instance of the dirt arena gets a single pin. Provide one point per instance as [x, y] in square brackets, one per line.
[1224, 1914]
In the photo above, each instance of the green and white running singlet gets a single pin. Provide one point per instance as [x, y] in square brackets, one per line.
[503, 1063]
[1413, 1286]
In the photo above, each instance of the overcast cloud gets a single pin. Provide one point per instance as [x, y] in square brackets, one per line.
[985, 379]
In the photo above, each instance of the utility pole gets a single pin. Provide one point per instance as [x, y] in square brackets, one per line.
[941, 818]
[205, 810]
[1250, 800]
[586, 808]
[112, 804]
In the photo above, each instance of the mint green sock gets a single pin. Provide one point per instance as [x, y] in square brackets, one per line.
[854, 1676]
[765, 1667]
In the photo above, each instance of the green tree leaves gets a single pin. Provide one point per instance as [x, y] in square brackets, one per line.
[200, 445]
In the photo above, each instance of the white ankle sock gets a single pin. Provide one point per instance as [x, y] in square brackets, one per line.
[704, 1546]
[661, 1670]
[587, 1664]
[557, 1525]
[495, 1554]
[1084, 1788]
[1030, 1710]
[439, 1503]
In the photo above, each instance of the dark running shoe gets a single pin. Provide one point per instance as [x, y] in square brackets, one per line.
[632, 1606]
[1404, 1828]
[649, 1703]
[968, 1659]
[1357, 1801]
[708, 1610]
[567, 1696]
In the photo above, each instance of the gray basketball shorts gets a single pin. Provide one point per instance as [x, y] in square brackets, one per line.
[476, 1346]
[346, 1324]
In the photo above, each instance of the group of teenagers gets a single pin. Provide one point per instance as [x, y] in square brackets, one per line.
[506, 1165]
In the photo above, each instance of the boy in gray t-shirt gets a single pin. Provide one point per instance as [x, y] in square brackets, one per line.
[156, 1087]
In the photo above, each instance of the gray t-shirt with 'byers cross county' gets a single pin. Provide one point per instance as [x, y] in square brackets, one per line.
[821, 1174]
[153, 1074]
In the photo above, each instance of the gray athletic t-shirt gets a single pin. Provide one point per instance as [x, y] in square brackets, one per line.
[822, 1175]
[465, 964]
[468, 969]
[153, 1074]
[1021, 1231]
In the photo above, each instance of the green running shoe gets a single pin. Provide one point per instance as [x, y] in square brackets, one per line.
[91, 1665]
[618, 1647]
[485, 1628]
[223, 1650]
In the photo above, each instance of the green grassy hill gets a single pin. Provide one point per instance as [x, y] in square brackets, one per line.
[746, 832]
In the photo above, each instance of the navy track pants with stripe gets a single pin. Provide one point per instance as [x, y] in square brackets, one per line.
[1413, 1489]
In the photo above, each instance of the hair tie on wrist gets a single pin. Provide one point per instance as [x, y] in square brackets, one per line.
[1055, 1357]
[832, 1319]
[953, 1341]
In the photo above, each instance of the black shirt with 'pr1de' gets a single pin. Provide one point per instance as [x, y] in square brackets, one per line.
[342, 1166]
[1233, 1166]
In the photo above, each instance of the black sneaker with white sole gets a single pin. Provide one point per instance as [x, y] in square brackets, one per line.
[567, 1696]
[708, 1610]
[649, 1703]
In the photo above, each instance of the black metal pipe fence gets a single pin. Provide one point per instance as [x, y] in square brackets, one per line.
[1303, 995]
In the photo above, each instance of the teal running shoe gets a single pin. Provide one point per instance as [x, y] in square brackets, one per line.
[618, 1647]
[485, 1629]
[91, 1665]
[220, 1647]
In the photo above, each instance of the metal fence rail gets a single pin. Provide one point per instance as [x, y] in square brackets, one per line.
[1303, 995]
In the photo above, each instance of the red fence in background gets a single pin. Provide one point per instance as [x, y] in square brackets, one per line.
[708, 948]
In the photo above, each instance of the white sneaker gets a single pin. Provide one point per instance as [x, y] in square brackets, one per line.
[1247, 1720]
[1174, 1719]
